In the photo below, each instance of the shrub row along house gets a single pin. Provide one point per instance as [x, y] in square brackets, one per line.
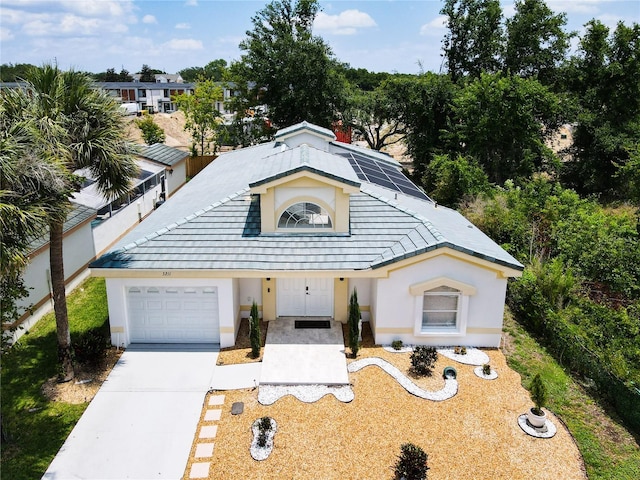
[296, 225]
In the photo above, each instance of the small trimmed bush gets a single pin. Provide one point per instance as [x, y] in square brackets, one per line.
[486, 369]
[423, 359]
[254, 330]
[262, 439]
[353, 322]
[90, 347]
[412, 463]
[538, 392]
[397, 344]
[264, 424]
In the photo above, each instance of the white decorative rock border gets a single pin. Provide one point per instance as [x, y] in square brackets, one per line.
[472, 357]
[404, 349]
[548, 431]
[449, 390]
[261, 453]
[269, 394]
[492, 376]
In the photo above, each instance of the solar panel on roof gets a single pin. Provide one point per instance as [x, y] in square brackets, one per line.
[383, 174]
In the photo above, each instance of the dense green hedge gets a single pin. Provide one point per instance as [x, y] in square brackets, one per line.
[579, 293]
[601, 344]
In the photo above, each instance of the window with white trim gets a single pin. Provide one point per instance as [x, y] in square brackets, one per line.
[440, 309]
[305, 215]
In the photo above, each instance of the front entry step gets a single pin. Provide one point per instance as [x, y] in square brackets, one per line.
[313, 356]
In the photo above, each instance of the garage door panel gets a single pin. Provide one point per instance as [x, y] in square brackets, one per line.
[173, 315]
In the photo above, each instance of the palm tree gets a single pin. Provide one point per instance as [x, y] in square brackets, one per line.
[82, 128]
[27, 186]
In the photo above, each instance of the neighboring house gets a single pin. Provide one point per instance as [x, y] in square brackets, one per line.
[297, 225]
[161, 77]
[150, 96]
[78, 251]
[158, 97]
[96, 222]
[162, 171]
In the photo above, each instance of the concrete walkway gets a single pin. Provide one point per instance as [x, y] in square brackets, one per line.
[303, 356]
[141, 423]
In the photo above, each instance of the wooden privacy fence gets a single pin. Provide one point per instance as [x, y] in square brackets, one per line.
[196, 164]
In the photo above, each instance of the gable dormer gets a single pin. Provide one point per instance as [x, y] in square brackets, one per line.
[305, 134]
[306, 191]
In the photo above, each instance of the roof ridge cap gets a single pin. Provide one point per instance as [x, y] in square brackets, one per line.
[180, 222]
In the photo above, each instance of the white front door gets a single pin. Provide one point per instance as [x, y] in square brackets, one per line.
[305, 297]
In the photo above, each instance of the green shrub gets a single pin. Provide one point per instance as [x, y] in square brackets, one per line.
[262, 439]
[397, 344]
[412, 463]
[151, 132]
[423, 359]
[353, 323]
[91, 346]
[538, 392]
[264, 424]
[486, 369]
[254, 331]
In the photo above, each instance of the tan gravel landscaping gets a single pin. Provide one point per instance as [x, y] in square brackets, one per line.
[474, 435]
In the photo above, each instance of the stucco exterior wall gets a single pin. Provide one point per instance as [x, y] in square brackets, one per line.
[109, 231]
[363, 286]
[118, 310]
[78, 250]
[250, 290]
[397, 312]
[178, 178]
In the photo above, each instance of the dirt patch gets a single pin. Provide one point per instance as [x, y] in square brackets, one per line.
[241, 351]
[84, 387]
[171, 123]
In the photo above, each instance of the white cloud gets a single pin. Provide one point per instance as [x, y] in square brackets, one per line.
[5, 34]
[191, 3]
[576, 6]
[183, 44]
[345, 23]
[149, 19]
[435, 27]
[92, 8]
[183, 26]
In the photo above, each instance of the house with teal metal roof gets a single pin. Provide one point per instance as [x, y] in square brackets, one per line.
[296, 225]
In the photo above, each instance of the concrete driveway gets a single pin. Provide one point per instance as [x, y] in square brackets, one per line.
[142, 422]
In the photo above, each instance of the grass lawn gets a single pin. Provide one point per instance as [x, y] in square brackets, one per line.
[37, 427]
[609, 450]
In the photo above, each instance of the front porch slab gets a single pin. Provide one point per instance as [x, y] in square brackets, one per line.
[303, 356]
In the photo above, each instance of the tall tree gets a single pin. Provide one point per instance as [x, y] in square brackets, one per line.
[536, 41]
[292, 70]
[604, 79]
[503, 121]
[215, 70]
[474, 42]
[148, 74]
[426, 111]
[29, 187]
[84, 129]
[202, 117]
[375, 115]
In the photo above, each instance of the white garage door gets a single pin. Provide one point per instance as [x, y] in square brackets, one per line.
[173, 314]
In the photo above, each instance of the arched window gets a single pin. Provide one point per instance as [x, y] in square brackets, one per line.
[305, 215]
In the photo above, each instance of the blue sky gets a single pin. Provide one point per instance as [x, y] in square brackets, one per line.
[383, 35]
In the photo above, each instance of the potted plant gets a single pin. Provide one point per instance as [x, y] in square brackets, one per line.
[538, 392]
